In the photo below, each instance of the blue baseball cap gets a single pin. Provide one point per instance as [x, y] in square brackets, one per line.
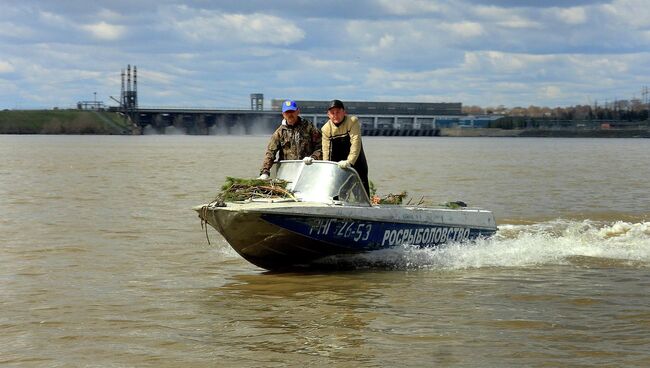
[289, 105]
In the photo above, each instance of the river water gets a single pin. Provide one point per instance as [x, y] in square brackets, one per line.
[104, 264]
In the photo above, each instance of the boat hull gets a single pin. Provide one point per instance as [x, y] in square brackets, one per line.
[286, 236]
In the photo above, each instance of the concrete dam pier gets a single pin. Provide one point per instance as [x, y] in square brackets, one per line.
[377, 118]
[206, 122]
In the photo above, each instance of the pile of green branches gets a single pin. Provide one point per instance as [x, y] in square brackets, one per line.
[455, 205]
[392, 198]
[387, 199]
[238, 189]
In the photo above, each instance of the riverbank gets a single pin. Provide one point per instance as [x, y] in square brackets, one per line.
[545, 133]
[111, 123]
[61, 122]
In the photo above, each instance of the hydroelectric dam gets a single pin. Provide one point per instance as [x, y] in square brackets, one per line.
[376, 118]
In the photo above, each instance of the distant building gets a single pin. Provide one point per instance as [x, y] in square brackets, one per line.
[469, 121]
[379, 108]
[384, 118]
[91, 105]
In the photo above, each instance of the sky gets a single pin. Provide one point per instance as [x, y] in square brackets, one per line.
[216, 53]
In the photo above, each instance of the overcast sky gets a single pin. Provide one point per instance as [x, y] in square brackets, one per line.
[216, 53]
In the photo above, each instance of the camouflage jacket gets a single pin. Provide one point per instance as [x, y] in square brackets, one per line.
[293, 143]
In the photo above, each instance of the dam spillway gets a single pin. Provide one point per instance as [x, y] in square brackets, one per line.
[376, 118]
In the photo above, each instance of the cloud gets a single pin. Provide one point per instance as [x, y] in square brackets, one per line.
[410, 7]
[6, 67]
[385, 79]
[15, 31]
[215, 53]
[385, 43]
[256, 28]
[52, 18]
[465, 29]
[504, 17]
[549, 92]
[109, 14]
[504, 63]
[157, 77]
[404, 44]
[635, 13]
[105, 31]
[573, 16]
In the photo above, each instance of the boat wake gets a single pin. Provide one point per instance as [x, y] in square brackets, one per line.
[586, 243]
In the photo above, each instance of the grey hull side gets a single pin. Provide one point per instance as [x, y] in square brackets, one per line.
[266, 245]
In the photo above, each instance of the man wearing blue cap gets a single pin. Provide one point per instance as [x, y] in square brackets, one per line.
[296, 138]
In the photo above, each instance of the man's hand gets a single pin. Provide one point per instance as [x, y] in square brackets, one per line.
[264, 176]
[308, 160]
[344, 164]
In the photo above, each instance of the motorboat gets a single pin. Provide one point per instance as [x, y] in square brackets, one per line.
[330, 214]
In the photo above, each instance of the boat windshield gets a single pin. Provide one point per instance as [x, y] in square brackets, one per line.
[322, 181]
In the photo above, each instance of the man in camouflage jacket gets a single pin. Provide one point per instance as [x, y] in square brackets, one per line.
[296, 138]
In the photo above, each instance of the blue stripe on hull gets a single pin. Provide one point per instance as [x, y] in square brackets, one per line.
[361, 235]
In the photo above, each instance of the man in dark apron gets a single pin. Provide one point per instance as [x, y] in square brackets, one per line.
[342, 141]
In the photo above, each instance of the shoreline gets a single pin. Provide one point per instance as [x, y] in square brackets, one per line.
[91, 122]
[545, 133]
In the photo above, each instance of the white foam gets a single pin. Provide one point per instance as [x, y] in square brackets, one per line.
[554, 242]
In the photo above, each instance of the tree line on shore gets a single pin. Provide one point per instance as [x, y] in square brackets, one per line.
[618, 114]
[620, 110]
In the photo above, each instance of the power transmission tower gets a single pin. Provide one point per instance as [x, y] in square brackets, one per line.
[644, 93]
[129, 95]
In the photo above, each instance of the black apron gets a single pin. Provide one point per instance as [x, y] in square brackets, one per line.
[339, 151]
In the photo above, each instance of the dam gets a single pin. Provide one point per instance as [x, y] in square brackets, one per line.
[376, 118]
